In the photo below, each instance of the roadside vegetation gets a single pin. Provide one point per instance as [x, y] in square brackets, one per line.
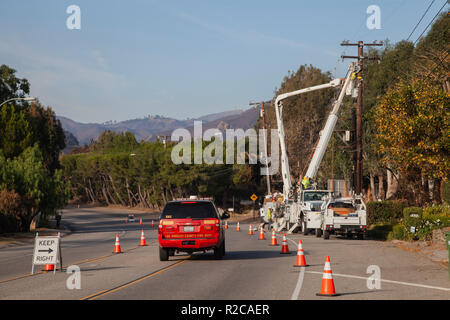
[31, 179]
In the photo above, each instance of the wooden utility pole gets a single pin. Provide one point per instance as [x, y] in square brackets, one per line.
[359, 105]
[263, 118]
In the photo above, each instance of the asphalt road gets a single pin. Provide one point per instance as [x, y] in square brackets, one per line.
[251, 268]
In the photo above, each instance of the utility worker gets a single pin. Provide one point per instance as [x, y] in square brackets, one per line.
[269, 218]
[305, 183]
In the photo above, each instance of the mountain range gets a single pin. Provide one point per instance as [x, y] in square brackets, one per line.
[150, 127]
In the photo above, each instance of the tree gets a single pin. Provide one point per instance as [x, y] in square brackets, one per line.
[31, 189]
[413, 121]
[11, 86]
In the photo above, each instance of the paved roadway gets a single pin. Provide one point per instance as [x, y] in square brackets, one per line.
[251, 268]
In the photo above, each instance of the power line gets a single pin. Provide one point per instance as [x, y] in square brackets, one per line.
[430, 22]
[420, 20]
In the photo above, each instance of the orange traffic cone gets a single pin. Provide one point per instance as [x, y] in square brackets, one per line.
[142, 243]
[261, 234]
[226, 225]
[284, 247]
[117, 245]
[273, 242]
[238, 228]
[140, 222]
[153, 224]
[250, 230]
[49, 267]
[327, 281]
[301, 262]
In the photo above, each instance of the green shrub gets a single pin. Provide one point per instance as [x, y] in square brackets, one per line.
[398, 232]
[434, 217]
[443, 210]
[379, 231]
[408, 211]
[385, 211]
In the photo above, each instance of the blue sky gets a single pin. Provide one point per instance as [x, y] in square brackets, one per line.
[183, 59]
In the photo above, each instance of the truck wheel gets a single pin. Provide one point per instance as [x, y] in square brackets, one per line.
[326, 234]
[223, 248]
[304, 229]
[318, 233]
[219, 251]
[163, 254]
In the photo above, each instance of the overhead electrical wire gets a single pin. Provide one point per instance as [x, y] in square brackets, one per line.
[420, 20]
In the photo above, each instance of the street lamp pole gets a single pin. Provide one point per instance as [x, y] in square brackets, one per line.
[15, 99]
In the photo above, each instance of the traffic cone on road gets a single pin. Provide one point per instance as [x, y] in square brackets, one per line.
[226, 224]
[261, 234]
[142, 243]
[117, 245]
[238, 228]
[284, 247]
[49, 267]
[140, 222]
[250, 230]
[327, 281]
[301, 262]
[153, 224]
[273, 242]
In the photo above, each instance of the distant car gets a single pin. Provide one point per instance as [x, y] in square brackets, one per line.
[131, 218]
[190, 226]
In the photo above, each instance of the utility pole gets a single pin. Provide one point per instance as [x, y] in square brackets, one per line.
[265, 137]
[359, 106]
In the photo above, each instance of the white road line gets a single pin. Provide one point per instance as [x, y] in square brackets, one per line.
[298, 288]
[387, 281]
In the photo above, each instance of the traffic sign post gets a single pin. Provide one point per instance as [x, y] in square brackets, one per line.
[253, 198]
[46, 251]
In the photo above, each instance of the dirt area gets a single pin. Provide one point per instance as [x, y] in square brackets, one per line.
[435, 252]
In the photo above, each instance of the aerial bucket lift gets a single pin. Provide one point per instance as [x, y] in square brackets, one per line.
[290, 213]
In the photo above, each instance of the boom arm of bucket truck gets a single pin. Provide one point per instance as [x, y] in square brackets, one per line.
[327, 131]
[323, 142]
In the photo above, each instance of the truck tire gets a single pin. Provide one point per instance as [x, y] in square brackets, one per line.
[304, 229]
[219, 252]
[326, 234]
[318, 233]
[163, 254]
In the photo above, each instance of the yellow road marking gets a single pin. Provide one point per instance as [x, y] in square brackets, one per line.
[105, 292]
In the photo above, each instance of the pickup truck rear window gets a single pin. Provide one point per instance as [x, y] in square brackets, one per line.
[189, 210]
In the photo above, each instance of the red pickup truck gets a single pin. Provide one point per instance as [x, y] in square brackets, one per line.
[191, 225]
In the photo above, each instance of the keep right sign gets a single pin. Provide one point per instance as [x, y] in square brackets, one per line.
[46, 250]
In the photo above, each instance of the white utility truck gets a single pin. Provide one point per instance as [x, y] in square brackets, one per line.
[344, 216]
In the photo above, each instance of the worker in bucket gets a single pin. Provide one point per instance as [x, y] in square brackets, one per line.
[306, 183]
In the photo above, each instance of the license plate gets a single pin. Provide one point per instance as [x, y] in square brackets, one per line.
[189, 229]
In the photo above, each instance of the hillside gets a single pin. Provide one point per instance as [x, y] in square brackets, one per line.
[148, 128]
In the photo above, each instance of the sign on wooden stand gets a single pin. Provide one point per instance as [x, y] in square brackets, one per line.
[47, 249]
